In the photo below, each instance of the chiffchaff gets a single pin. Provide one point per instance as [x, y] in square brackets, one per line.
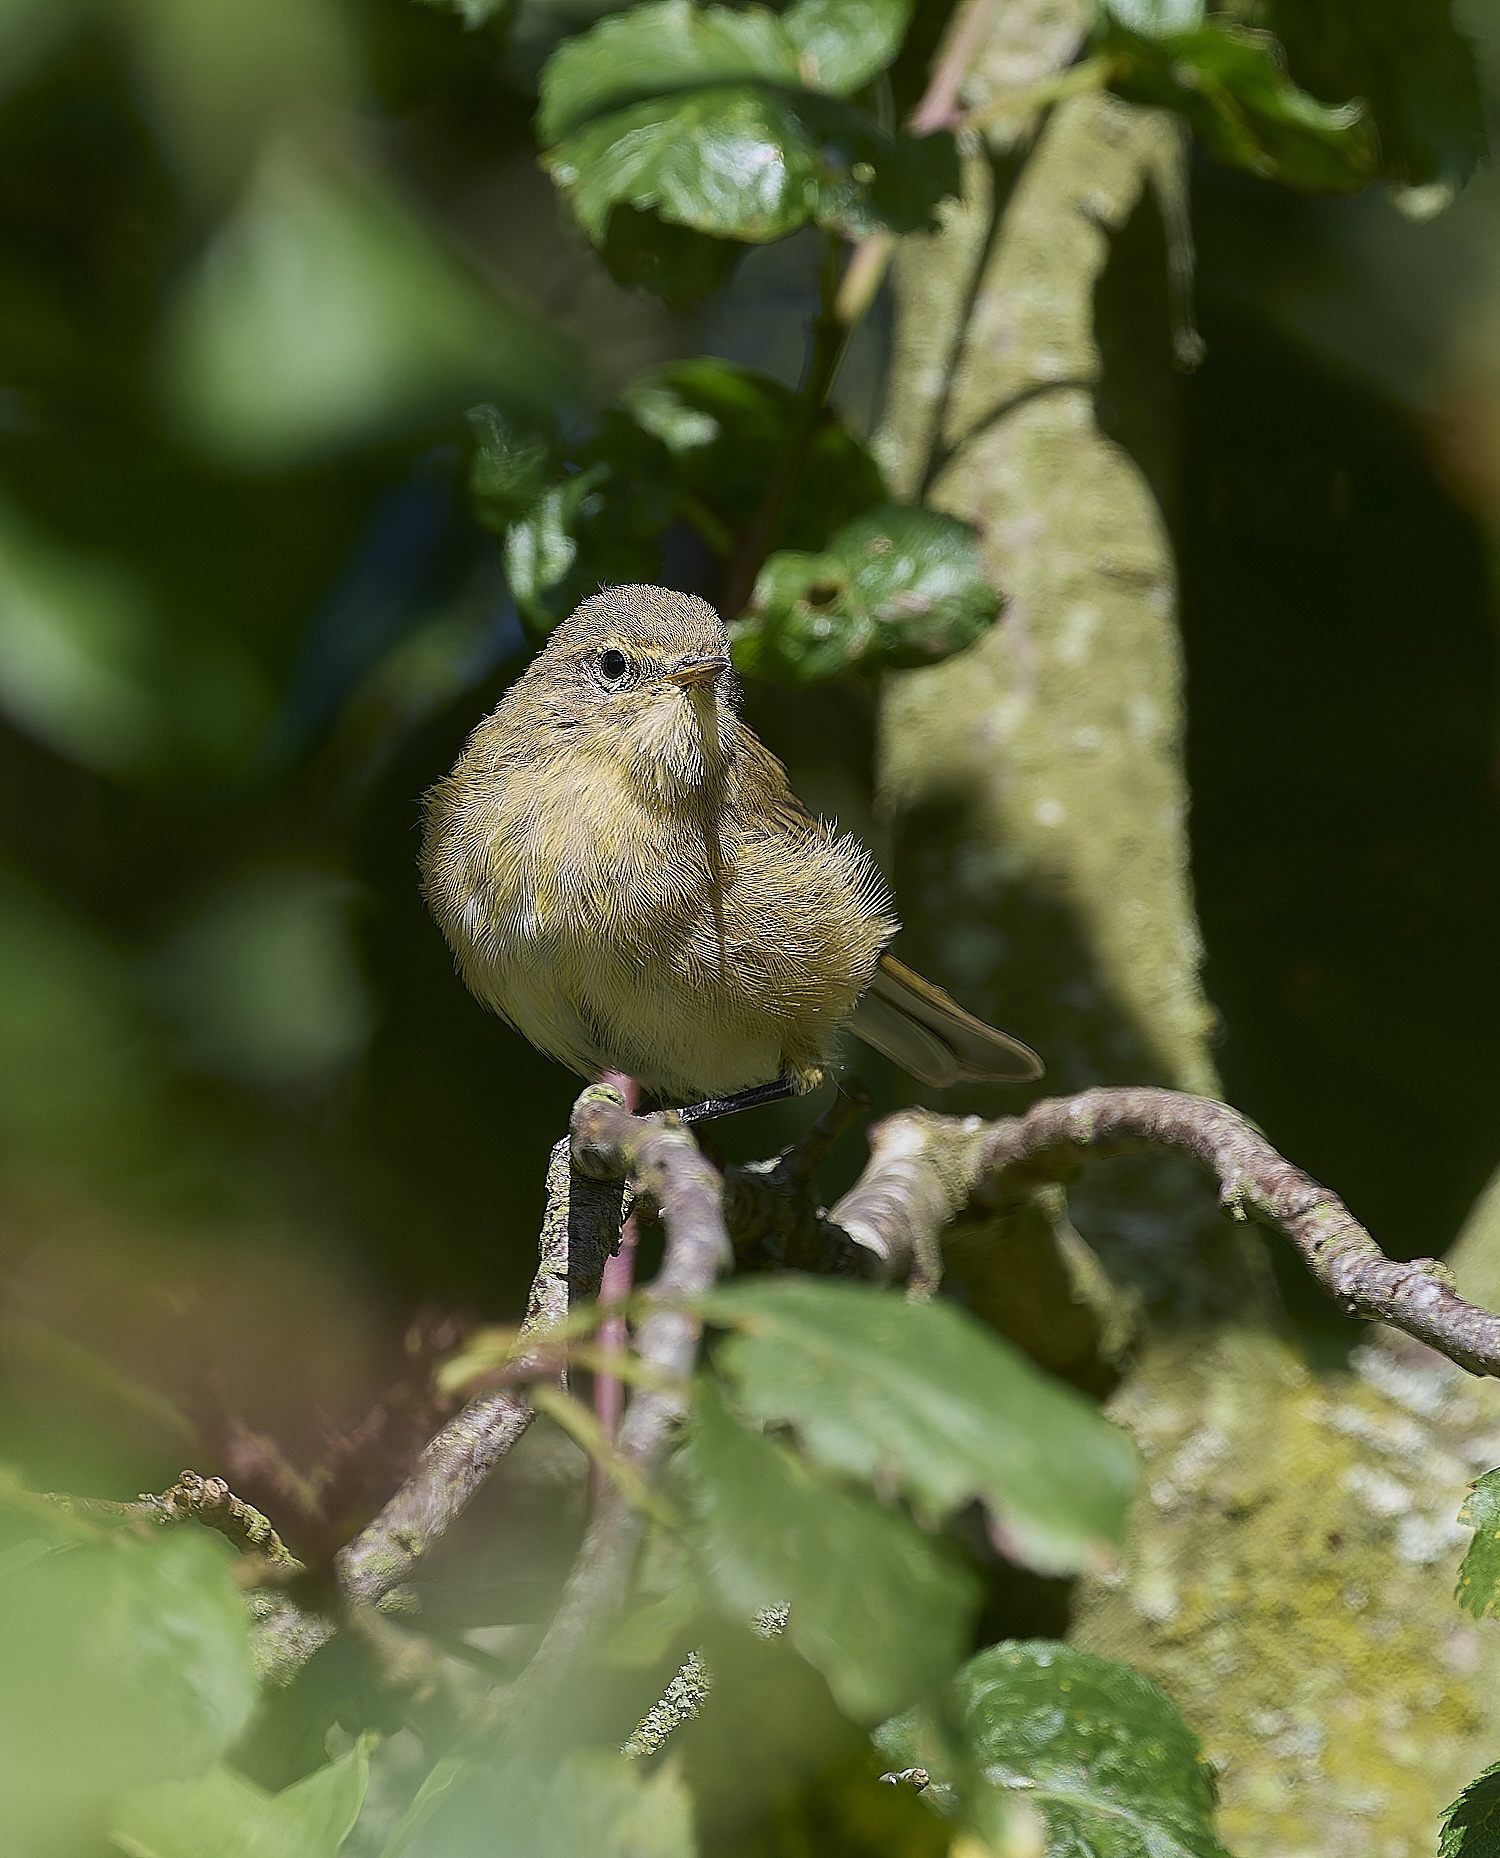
[623, 873]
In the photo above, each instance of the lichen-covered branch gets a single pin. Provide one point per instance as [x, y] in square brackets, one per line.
[923, 1167]
[679, 1703]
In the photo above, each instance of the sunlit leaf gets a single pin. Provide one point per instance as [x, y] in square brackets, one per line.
[223, 1813]
[775, 1530]
[842, 44]
[897, 586]
[1155, 18]
[123, 1660]
[744, 161]
[664, 46]
[924, 1399]
[1095, 1746]
[1478, 1590]
[1471, 1824]
[326, 312]
[1231, 84]
[1410, 61]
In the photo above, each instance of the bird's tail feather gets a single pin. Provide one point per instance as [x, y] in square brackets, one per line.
[921, 1029]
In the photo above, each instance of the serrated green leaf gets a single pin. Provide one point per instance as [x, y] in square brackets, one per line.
[1478, 1590]
[1409, 59]
[744, 161]
[653, 50]
[680, 266]
[1231, 84]
[774, 1531]
[842, 44]
[924, 1399]
[1471, 1824]
[122, 1660]
[1095, 1746]
[223, 1813]
[896, 587]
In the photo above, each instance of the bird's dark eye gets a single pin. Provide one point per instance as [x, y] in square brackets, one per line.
[613, 664]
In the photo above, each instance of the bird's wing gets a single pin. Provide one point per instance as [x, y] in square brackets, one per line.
[921, 1029]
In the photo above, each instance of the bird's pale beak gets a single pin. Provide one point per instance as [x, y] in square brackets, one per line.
[688, 671]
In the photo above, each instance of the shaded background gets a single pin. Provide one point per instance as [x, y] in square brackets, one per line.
[250, 277]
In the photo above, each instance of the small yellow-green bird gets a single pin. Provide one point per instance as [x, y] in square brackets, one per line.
[623, 874]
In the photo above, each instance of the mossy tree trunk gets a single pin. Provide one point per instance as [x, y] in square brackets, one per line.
[1292, 1568]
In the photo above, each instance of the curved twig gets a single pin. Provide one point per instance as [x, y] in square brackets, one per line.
[924, 1167]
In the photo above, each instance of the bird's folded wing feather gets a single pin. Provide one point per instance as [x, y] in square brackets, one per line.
[921, 1029]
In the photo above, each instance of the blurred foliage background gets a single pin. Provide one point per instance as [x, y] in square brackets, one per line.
[256, 261]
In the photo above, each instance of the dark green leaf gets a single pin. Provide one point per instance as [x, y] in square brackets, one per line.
[897, 586]
[833, 46]
[122, 1660]
[1478, 1590]
[727, 428]
[1103, 1754]
[745, 161]
[775, 1531]
[1471, 1825]
[673, 262]
[223, 1813]
[842, 44]
[1232, 86]
[1410, 61]
[924, 1399]
[510, 470]
[664, 46]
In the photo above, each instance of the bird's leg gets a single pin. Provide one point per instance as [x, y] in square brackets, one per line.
[614, 1287]
[714, 1107]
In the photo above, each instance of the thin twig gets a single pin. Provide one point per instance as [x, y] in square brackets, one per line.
[614, 1287]
[679, 1703]
[939, 107]
[581, 1225]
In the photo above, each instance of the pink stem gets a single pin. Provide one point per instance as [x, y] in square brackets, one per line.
[614, 1287]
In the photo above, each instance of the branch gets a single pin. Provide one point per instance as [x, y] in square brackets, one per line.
[579, 1230]
[924, 1168]
[661, 1159]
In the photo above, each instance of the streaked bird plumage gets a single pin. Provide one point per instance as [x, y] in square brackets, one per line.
[625, 876]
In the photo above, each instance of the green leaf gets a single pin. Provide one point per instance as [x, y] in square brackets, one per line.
[745, 161]
[680, 266]
[665, 46]
[1156, 18]
[590, 1805]
[842, 44]
[1103, 1754]
[223, 1813]
[1411, 62]
[326, 313]
[1478, 1590]
[924, 1399]
[774, 1531]
[1232, 86]
[1471, 1825]
[832, 46]
[726, 428]
[895, 587]
[123, 1659]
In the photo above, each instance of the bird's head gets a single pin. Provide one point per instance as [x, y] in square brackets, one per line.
[641, 674]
